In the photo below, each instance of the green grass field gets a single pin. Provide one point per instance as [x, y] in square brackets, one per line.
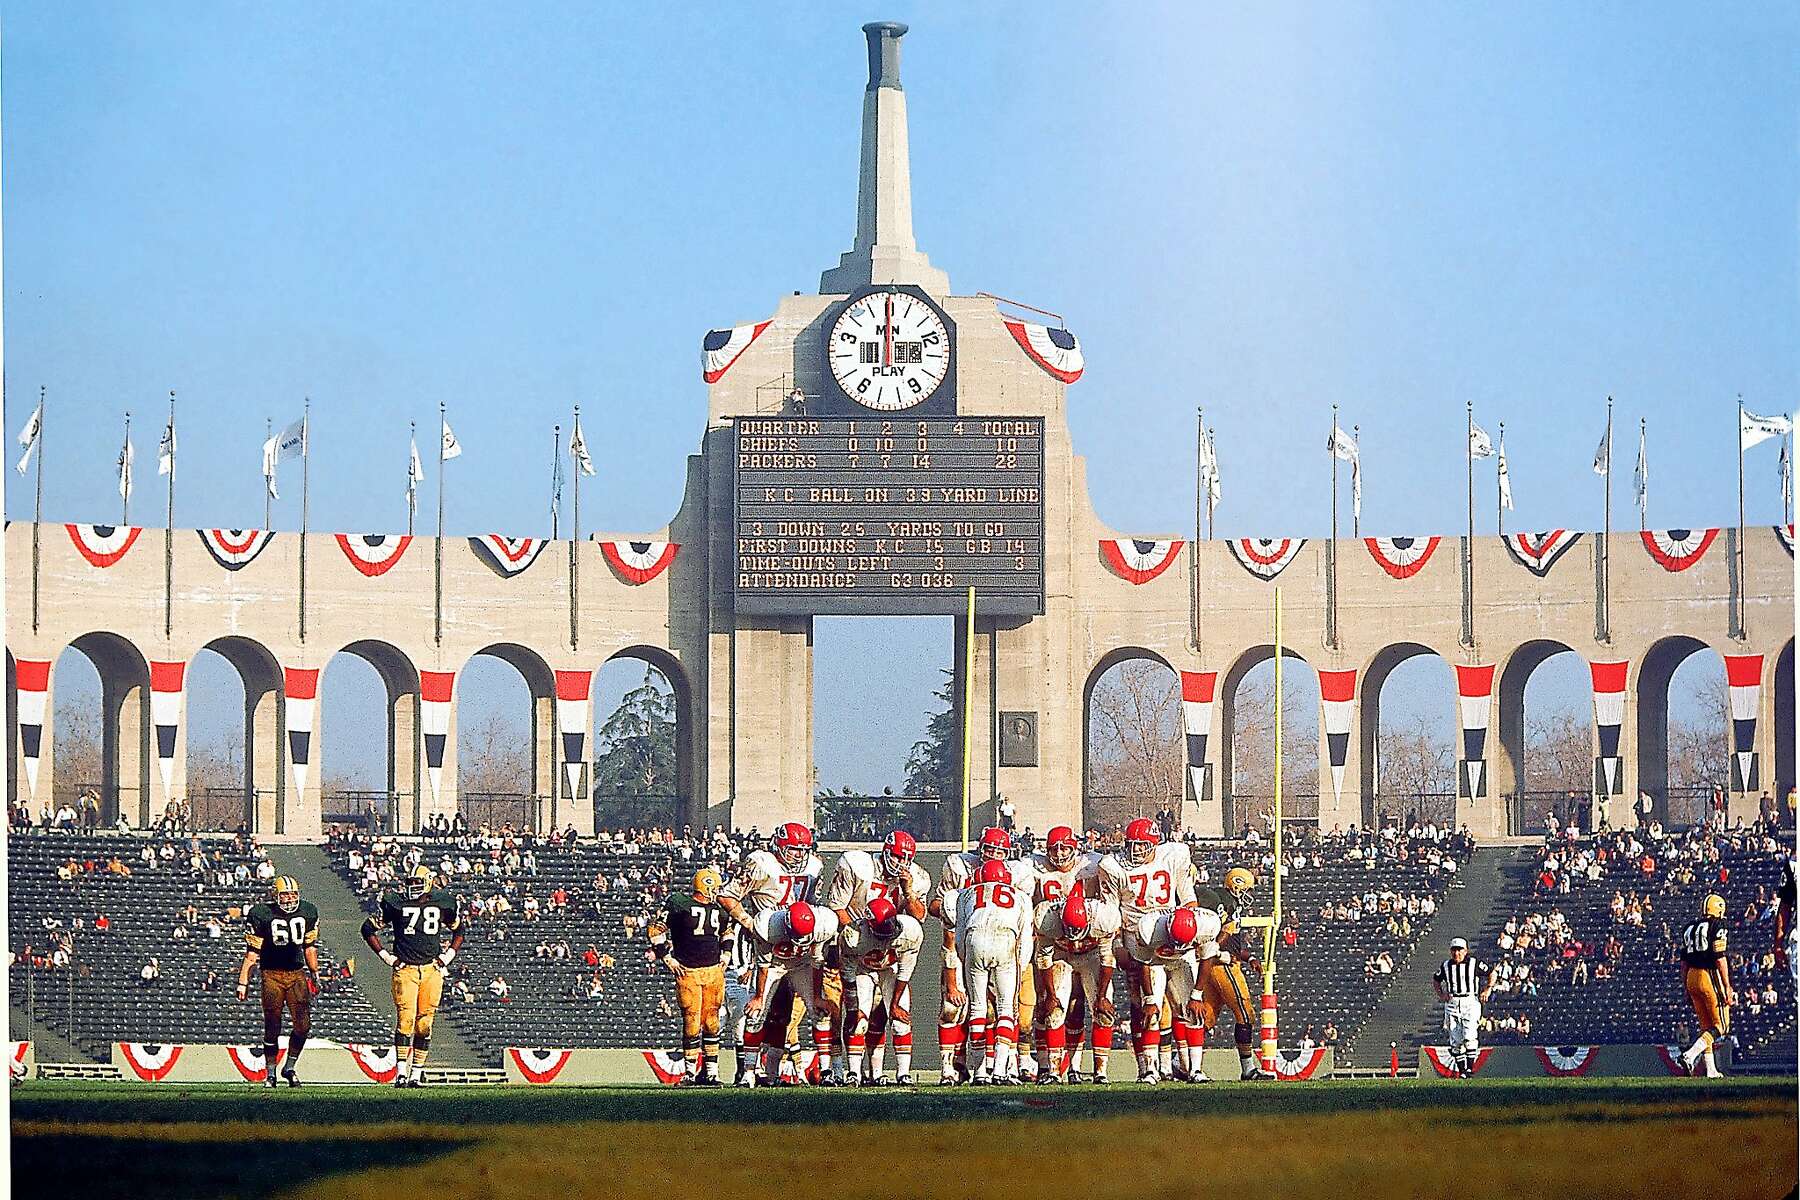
[1587, 1137]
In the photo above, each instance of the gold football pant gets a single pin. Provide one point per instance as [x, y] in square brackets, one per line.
[417, 990]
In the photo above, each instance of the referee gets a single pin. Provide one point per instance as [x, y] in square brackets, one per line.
[1463, 984]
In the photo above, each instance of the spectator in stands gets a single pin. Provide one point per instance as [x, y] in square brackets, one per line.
[150, 973]
[1330, 1035]
[499, 989]
[179, 933]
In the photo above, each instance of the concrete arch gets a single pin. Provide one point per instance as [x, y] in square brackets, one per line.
[1782, 681]
[401, 807]
[1099, 811]
[1379, 797]
[543, 805]
[125, 734]
[689, 806]
[1235, 814]
[1654, 676]
[265, 785]
[1511, 785]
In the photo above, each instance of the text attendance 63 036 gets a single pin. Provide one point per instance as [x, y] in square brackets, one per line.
[891, 349]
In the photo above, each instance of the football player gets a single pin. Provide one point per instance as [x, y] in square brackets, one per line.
[419, 918]
[1059, 869]
[688, 938]
[1707, 976]
[284, 938]
[1223, 984]
[794, 940]
[878, 952]
[1146, 876]
[861, 878]
[786, 872]
[958, 873]
[1787, 937]
[993, 920]
[1163, 947]
[1075, 963]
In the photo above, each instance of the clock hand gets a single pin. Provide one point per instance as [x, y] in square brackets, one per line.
[887, 336]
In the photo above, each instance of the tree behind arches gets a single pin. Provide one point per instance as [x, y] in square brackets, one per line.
[636, 745]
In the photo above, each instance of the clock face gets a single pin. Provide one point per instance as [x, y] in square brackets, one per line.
[889, 350]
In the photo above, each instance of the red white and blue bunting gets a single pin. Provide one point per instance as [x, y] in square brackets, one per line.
[722, 347]
[1678, 549]
[1139, 560]
[1056, 350]
[508, 556]
[1743, 679]
[1337, 696]
[300, 693]
[149, 1061]
[572, 704]
[1564, 1061]
[166, 680]
[1474, 703]
[1402, 557]
[538, 1066]
[435, 690]
[21, 1060]
[1266, 558]
[1299, 1065]
[1785, 535]
[379, 1063]
[250, 1062]
[638, 562]
[33, 679]
[1197, 692]
[235, 549]
[1609, 715]
[667, 1065]
[1444, 1063]
[103, 545]
[1538, 552]
[374, 553]
[1671, 1058]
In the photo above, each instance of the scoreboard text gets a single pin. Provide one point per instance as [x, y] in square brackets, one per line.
[888, 515]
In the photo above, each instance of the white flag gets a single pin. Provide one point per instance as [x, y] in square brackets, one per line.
[1209, 466]
[289, 443]
[165, 450]
[452, 447]
[1640, 478]
[1753, 429]
[28, 436]
[126, 455]
[414, 474]
[1356, 487]
[1341, 446]
[1787, 479]
[1505, 478]
[1603, 454]
[1480, 445]
[578, 448]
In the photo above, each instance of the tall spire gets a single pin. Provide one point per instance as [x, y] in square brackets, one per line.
[884, 251]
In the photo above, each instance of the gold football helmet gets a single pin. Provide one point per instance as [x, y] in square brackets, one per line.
[287, 893]
[1713, 906]
[707, 883]
[418, 882]
[1239, 881]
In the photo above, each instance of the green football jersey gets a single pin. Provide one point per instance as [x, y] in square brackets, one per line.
[419, 927]
[280, 939]
[696, 931]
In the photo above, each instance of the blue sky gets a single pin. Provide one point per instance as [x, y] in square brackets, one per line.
[1262, 211]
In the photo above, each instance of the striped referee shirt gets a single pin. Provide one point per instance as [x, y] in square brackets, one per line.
[1461, 978]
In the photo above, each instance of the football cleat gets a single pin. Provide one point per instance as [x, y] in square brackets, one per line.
[950, 1078]
[1178, 1071]
[269, 1080]
[830, 1080]
[1257, 1073]
[709, 1079]
[1099, 1079]
[903, 1081]
[1048, 1080]
[292, 1079]
[1077, 1077]
[403, 1080]
[1148, 1076]
[418, 1080]
[1199, 1077]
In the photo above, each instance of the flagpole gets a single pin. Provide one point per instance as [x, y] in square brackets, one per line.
[124, 476]
[555, 479]
[412, 485]
[1200, 487]
[268, 433]
[1468, 614]
[169, 533]
[574, 550]
[305, 499]
[1356, 509]
[1499, 491]
[37, 511]
[1740, 529]
[968, 714]
[1644, 495]
[1606, 536]
[437, 575]
[1331, 638]
[1212, 450]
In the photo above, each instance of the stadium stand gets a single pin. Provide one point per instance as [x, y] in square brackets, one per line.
[89, 914]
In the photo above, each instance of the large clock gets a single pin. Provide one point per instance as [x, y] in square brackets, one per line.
[888, 348]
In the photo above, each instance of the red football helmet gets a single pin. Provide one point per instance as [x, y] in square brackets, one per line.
[897, 853]
[1061, 848]
[1075, 914]
[1184, 927]
[884, 918]
[996, 843]
[792, 845]
[1140, 842]
[801, 920]
[993, 871]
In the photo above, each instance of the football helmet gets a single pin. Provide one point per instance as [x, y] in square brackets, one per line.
[1239, 881]
[1061, 848]
[897, 853]
[993, 870]
[1140, 842]
[996, 843]
[792, 845]
[1184, 927]
[1075, 914]
[1713, 906]
[707, 883]
[287, 894]
[884, 918]
[418, 882]
[801, 921]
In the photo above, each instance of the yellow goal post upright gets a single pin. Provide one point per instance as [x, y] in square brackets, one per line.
[968, 714]
[1272, 923]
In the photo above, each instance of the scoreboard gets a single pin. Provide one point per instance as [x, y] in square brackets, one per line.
[888, 516]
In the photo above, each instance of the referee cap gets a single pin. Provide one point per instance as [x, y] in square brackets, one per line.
[1458, 944]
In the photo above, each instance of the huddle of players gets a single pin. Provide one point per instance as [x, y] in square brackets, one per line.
[1031, 947]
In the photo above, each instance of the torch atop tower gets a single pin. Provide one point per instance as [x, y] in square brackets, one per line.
[884, 251]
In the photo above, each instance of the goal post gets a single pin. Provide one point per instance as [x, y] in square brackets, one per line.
[1273, 922]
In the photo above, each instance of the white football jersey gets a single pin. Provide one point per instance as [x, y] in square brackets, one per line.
[1153, 943]
[861, 946]
[762, 883]
[1054, 940]
[857, 881]
[959, 869]
[1164, 883]
[1050, 884]
[984, 907]
[772, 930]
